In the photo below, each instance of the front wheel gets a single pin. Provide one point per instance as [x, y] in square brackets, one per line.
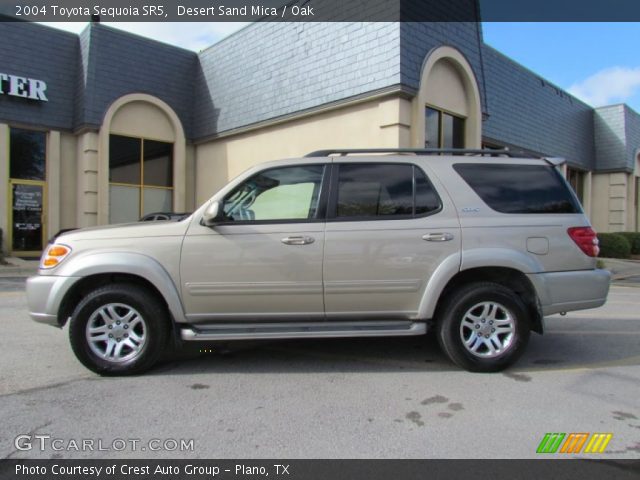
[118, 330]
[483, 327]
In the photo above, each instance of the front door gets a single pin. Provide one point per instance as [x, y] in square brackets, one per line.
[264, 261]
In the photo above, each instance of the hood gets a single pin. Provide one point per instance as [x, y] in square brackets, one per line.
[126, 230]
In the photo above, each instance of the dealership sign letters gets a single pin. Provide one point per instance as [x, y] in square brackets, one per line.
[29, 88]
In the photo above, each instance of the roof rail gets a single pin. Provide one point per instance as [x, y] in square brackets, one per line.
[419, 151]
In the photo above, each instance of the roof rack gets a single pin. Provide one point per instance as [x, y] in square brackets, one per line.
[420, 151]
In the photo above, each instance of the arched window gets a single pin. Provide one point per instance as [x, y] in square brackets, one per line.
[142, 160]
[446, 111]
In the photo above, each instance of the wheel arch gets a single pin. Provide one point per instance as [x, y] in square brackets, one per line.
[509, 277]
[85, 285]
[99, 269]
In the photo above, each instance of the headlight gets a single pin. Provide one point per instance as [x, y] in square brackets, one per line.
[53, 255]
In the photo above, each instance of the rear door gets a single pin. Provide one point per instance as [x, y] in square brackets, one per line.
[389, 226]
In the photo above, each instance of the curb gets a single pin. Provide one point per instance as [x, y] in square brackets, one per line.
[19, 268]
[624, 276]
[628, 285]
[17, 272]
[620, 260]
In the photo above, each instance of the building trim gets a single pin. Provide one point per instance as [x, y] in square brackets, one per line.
[614, 170]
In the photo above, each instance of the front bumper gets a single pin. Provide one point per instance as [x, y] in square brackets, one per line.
[44, 296]
[573, 290]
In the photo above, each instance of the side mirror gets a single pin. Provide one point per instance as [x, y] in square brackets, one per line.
[213, 214]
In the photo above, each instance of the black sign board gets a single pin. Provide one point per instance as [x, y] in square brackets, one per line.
[27, 208]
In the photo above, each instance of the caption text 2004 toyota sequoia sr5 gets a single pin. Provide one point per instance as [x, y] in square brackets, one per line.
[477, 245]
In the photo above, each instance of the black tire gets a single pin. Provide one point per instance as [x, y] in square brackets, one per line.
[150, 338]
[470, 301]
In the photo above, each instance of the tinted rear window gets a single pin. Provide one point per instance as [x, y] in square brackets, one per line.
[519, 188]
[427, 200]
[366, 190]
[370, 190]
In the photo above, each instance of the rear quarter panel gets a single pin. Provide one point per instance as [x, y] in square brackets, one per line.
[533, 243]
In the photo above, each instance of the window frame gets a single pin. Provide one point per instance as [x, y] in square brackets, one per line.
[321, 211]
[332, 207]
[141, 186]
[440, 127]
[562, 181]
[579, 176]
[13, 181]
[45, 134]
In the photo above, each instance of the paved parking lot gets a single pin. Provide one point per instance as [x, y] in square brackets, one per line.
[361, 398]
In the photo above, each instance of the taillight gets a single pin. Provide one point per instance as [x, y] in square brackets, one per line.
[586, 238]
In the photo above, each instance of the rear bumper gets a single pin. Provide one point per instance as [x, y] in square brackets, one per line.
[574, 290]
[44, 295]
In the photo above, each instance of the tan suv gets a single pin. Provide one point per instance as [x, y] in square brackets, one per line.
[479, 245]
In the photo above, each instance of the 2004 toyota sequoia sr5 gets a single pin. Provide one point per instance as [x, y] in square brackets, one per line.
[479, 245]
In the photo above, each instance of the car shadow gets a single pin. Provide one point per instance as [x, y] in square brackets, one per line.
[575, 346]
[419, 353]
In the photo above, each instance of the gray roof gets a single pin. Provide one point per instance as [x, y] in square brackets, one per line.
[617, 137]
[632, 124]
[526, 110]
[269, 70]
[418, 39]
[46, 54]
[115, 63]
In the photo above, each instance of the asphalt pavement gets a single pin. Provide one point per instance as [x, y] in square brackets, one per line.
[349, 398]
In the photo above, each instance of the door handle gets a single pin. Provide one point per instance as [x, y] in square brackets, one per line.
[298, 240]
[438, 237]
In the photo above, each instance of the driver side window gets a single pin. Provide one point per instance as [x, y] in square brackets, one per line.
[282, 193]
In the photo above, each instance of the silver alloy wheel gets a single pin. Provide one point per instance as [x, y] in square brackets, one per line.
[487, 329]
[116, 333]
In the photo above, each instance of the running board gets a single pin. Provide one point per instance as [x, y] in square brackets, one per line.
[266, 331]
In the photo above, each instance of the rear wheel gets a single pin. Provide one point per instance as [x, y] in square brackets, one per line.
[483, 327]
[119, 329]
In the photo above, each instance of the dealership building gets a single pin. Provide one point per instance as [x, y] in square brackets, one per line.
[106, 126]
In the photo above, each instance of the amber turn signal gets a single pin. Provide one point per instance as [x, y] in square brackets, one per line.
[57, 251]
[54, 255]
